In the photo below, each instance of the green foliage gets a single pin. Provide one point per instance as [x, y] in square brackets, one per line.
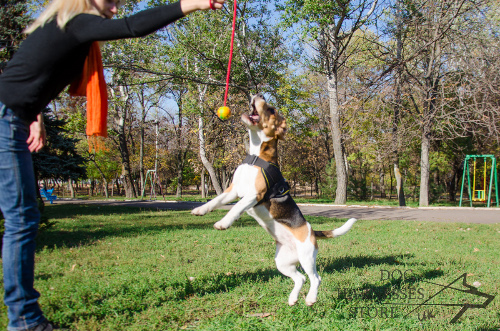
[329, 186]
[107, 161]
[13, 20]
[59, 158]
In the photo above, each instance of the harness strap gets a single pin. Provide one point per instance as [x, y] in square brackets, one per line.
[277, 186]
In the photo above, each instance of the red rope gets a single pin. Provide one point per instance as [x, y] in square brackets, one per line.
[230, 54]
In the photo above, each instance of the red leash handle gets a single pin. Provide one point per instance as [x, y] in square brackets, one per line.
[230, 52]
[212, 6]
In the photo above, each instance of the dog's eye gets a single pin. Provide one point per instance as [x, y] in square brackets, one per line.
[272, 111]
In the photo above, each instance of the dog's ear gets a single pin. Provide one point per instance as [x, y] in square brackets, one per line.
[280, 127]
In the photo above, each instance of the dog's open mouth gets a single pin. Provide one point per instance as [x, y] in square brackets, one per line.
[252, 118]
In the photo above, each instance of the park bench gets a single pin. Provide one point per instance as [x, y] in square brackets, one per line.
[47, 194]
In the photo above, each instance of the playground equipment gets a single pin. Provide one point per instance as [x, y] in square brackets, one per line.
[153, 181]
[480, 193]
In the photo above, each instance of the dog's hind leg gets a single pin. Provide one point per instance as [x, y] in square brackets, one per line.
[286, 260]
[307, 253]
[219, 201]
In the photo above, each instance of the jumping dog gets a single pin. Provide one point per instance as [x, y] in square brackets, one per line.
[264, 195]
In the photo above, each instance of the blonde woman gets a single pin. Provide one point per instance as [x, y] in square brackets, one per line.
[52, 56]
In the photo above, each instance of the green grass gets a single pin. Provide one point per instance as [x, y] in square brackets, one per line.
[115, 268]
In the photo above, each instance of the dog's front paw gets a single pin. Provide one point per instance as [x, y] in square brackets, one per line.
[199, 211]
[220, 225]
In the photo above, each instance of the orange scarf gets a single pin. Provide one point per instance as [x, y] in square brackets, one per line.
[92, 84]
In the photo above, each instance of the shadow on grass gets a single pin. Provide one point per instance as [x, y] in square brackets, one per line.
[372, 291]
[84, 235]
[394, 289]
[488, 329]
[145, 223]
[221, 283]
[123, 222]
[343, 263]
[55, 212]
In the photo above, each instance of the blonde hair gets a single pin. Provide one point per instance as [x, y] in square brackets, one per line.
[63, 11]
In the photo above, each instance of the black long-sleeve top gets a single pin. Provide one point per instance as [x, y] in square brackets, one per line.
[50, 58]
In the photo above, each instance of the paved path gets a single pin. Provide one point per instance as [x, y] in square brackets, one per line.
[432, 214]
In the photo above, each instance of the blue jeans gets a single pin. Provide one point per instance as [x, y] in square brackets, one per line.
[18, 202]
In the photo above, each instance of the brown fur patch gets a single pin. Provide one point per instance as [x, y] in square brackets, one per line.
[269, 151]
[323, 234]
[271, 123]
[229, 189]
[301, 233]
[260, 185]
[313, 239]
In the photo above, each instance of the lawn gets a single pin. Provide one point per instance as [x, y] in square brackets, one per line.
[116, 268]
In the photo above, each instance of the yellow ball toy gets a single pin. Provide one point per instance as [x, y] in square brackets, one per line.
[223, 113]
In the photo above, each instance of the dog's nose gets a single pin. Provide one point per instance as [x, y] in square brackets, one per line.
[259, 95]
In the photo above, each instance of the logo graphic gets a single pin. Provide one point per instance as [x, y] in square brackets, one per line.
[469, 289]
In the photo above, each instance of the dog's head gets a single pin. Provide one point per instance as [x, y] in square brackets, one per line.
[264, 118]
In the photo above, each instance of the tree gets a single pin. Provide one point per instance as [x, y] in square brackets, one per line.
[59, 159]
[397, 101]
[330, 26]
[13, 20]
[433, 32]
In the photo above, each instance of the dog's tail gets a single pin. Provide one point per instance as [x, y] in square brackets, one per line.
[337, 232]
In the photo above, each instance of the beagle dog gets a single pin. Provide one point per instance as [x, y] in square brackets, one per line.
[264, 195]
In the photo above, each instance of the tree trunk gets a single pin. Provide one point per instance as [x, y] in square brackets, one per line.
[206, 163]
[181, 158]
[104, 181]
[399, 186]
[382, 181]
[71, 188]
[397, 106]
[141, 158]
[424, 168]
[124, 152]
[178, 193]
[118, 186]
[341, 193]
[203, 188]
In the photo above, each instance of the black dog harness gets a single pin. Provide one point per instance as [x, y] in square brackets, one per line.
[277, 187]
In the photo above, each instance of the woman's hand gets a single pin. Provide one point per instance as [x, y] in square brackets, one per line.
[189, 6]
[37, 137]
